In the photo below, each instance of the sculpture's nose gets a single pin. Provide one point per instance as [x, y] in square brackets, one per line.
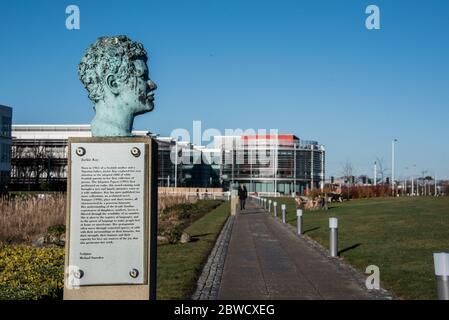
[152, 85]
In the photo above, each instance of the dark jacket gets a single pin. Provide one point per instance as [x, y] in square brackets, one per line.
[243, 193]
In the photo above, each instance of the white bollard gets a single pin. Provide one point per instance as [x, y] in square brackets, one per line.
[441, 262]
[333, 237]
[284, 208]
[275, 206]
[299, 220]
[269, 206]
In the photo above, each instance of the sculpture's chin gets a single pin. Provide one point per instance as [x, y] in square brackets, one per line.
[150, 105]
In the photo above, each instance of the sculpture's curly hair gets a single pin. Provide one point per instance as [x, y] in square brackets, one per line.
[108, 55]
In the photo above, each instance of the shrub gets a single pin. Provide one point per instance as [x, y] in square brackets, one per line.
[172, 233]
[174, 219]
[182, 210]
[357, 192]
[56, 230]
[31, 273]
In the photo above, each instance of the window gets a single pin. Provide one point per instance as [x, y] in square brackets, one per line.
[5, 127]
[5, 153]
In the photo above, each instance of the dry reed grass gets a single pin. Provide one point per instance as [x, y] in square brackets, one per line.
[25, 218]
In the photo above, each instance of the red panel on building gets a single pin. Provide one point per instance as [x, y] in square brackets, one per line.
[285, 137]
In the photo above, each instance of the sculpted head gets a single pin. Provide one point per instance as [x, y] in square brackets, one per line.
[114, 72]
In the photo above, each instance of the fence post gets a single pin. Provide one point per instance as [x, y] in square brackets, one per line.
[333, 237]
[299, 221]
[284, 208]
[441, 262]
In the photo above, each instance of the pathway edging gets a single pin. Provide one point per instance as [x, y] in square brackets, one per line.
[209, 282]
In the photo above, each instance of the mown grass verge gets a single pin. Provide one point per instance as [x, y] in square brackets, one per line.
[179, 265]
[399, 235]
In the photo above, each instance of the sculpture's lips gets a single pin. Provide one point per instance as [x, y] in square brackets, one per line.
[150, 96]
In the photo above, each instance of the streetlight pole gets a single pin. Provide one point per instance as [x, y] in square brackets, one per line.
[413, 188]
[392, 165]
[375, 173]
[176, 163]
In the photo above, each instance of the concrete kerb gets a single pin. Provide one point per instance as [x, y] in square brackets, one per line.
[208, 283]
[359, 277]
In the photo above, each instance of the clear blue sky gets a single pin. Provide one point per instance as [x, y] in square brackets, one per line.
[305, 67]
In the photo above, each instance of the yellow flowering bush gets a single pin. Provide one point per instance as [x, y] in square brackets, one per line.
[31, 273]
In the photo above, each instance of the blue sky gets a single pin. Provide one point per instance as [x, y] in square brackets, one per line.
[305, 67]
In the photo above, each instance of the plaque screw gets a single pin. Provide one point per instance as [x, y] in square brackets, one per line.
[134, 273]
[78, 274]
[135, 152]
[80, 151]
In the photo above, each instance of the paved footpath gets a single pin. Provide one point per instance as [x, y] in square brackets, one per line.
[267, 260]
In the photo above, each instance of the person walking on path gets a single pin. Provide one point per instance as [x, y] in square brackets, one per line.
[243, 194]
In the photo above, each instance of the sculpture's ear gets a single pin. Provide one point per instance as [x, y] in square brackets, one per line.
[112, 84]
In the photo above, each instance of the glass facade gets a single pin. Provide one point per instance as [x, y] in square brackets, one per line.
[39, 161]
[5, 146]
[194, 167]
[272, 163]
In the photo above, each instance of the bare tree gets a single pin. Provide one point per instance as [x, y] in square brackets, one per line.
[348, 171]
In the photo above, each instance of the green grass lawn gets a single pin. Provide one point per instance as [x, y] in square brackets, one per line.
[179, 265]
[397, 235]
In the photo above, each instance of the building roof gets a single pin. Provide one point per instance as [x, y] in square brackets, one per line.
[56, 131]
[5, 110]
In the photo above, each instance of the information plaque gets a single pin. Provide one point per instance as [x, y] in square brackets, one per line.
[109, 202]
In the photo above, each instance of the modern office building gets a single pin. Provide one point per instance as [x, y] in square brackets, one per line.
[39, 155]
[39, 158]
[270, 163]
[280, 163]
[182, 164]
[5, 146]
